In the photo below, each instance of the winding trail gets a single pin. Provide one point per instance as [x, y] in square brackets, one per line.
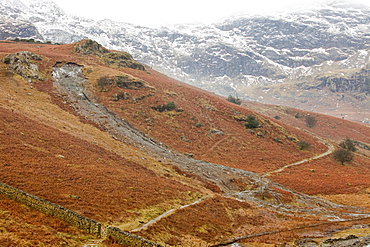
[329, 151]
[167, 213]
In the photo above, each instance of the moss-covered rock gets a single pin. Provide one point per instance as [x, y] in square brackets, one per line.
[114, 59]
[24, 64]
[129, 82]
[122, 81]
[121, 59]
[90, 47]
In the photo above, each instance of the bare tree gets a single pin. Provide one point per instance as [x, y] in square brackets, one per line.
[310, 121]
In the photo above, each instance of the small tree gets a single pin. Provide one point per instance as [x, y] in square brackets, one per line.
[234, 100]
[348, 144]
[343, 155]
[310, 121]
[252, 122]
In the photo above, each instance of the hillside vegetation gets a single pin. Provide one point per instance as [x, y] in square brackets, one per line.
[113, 140]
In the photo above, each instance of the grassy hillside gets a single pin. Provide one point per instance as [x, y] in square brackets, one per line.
[49, 149]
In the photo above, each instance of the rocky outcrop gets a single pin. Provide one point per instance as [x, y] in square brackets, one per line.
[358, 82]
[121, 59]
[121, 81]
[90, 47]
[24, 63]
[114, 59]
[349, 240]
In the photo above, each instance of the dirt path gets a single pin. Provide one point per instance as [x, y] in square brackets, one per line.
[227, 136]
[329, 151]
[167, 213]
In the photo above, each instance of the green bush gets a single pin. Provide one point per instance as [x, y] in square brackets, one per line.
[6, 60]
[348, 144]
[234, 100]
[252, 122]
[170, 106]
[166, 107]
[303, 145]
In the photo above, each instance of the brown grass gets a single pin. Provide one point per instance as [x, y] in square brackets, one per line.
[19, 225]
[217, 220]
[49, 151]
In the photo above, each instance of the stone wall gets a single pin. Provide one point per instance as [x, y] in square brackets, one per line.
[84, 223]
[52, 209]
[126, 238]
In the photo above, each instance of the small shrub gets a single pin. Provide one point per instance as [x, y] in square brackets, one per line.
[199, 125]
[6, 60]
[277, 117]
[170, 106]
[252, 122]
[303, 145]
[166, 107]
[348, 144]
[234, 100]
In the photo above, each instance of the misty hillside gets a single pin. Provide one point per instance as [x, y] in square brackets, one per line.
[111, 139]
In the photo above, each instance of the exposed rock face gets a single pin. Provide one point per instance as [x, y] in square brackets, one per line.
[17, 29]
[358, 82]
[23, 63]
[72, 77]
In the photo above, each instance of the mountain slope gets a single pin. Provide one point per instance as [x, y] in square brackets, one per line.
[61, 108]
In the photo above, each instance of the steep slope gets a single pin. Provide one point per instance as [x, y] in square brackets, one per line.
[57, 127]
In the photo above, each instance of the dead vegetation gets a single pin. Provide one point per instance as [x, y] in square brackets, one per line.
[50, 149]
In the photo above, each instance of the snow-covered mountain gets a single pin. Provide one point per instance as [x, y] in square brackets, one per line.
[245, 56]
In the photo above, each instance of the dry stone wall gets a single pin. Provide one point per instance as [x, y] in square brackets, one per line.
[84, 223]
[126, 238]
[52, 209]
